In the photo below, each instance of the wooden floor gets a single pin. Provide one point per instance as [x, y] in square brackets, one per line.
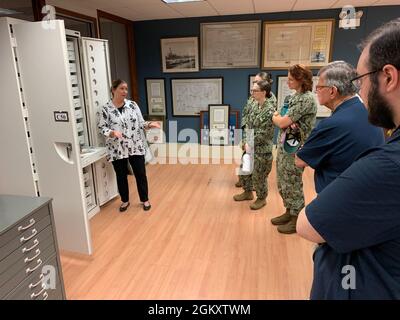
[195, 243]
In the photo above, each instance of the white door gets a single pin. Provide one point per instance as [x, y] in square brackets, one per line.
[45, 71]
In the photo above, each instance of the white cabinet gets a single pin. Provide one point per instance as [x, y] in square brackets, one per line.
[49, 127]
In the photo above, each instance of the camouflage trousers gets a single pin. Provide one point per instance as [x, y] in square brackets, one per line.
[290, 182]
[258, 178]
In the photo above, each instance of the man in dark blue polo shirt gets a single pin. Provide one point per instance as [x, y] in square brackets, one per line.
[336, 141]
[356, 218]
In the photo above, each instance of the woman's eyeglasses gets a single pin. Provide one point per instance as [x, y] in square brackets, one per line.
[255, 90]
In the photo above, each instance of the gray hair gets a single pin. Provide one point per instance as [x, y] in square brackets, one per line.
[339, 74]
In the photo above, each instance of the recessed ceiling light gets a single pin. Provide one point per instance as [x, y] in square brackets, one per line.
[8, 11]
[179, 1]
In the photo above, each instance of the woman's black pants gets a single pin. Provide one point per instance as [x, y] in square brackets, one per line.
[139, 170]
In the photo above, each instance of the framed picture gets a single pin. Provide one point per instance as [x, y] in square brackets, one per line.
[155, 97]
[233, 124]
[155, 135]
[251, 80]
[190, 96]
[180, 54]
[284, 91]
[230, 44]
[308, 42]
[218, 122]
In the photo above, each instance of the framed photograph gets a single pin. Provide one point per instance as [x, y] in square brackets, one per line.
[230, 44]
[155, 97]
[251, 80]
[284, 91]
[190, 96]
[155, 135]
[219, 124]
[308, 42]
[180, 54]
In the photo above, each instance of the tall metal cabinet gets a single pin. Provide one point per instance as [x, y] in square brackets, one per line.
[56, 83]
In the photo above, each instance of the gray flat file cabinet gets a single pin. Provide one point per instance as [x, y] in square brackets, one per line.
[30, 267]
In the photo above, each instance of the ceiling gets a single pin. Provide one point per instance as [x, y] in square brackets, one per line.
[138, 10]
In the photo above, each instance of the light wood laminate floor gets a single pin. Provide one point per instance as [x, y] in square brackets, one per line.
[195, 243]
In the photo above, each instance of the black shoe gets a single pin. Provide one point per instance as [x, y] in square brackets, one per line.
[124, 206]
[146, 208]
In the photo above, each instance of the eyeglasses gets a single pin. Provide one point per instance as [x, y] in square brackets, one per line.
[357, 80]
[255, 90]
[318, 88]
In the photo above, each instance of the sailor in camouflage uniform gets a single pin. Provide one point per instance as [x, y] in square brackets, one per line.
[260, 121]
[301, 113]
[249, 107]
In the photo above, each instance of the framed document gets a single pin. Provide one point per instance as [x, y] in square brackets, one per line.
[180, 54]
[308, 42]
[284, 91]
[190, 96]
[219, 124]
[155, 97]
[233, 124]
[230, 44]
[155, 135]
[251, 80]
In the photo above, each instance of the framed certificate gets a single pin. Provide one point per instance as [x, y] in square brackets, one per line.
[155, 135]
[155, 97]
[307, 42]
[219, 124]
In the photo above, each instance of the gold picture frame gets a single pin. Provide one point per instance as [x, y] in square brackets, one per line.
[307, 42]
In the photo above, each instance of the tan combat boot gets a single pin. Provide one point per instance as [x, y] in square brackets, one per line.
[283, 219]
[238, 184]
[290, 227]
[258, 204]
[246, 195]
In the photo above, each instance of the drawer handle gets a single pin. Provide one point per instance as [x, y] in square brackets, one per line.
[31, 223]
[31, 286]
[35, 244]
[29, 270]
[33, 258]
[34, 232]
[45, 296]
[35, 295]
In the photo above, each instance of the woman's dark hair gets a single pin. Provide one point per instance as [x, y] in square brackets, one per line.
[302, 74]
[265, 85]
[115, 84]
[265, 76]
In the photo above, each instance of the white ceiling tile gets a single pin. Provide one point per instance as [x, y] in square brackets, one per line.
[262, 6]
[194, 9]
[354, 3]
[234, 7]
[387, 3]
[313, 4]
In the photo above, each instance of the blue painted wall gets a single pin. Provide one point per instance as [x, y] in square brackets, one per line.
[235, 91]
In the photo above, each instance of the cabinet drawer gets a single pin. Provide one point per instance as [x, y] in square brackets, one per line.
[75, 91]
[33, 288]
[28, 271]
[70, 45]
[72, 67]
[28, 222]
[18, 260]
[24, 238]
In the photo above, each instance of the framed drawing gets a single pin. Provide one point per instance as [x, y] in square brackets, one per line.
[190, 96]
[251, 80]
[155, 135]
[230, 44]
[219, 124]
[308, 42]
[155, 97]
[284, 91]
[180, 54]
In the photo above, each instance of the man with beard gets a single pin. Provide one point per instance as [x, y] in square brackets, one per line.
[356, 219]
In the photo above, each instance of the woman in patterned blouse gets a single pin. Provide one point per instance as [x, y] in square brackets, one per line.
[122, 123]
